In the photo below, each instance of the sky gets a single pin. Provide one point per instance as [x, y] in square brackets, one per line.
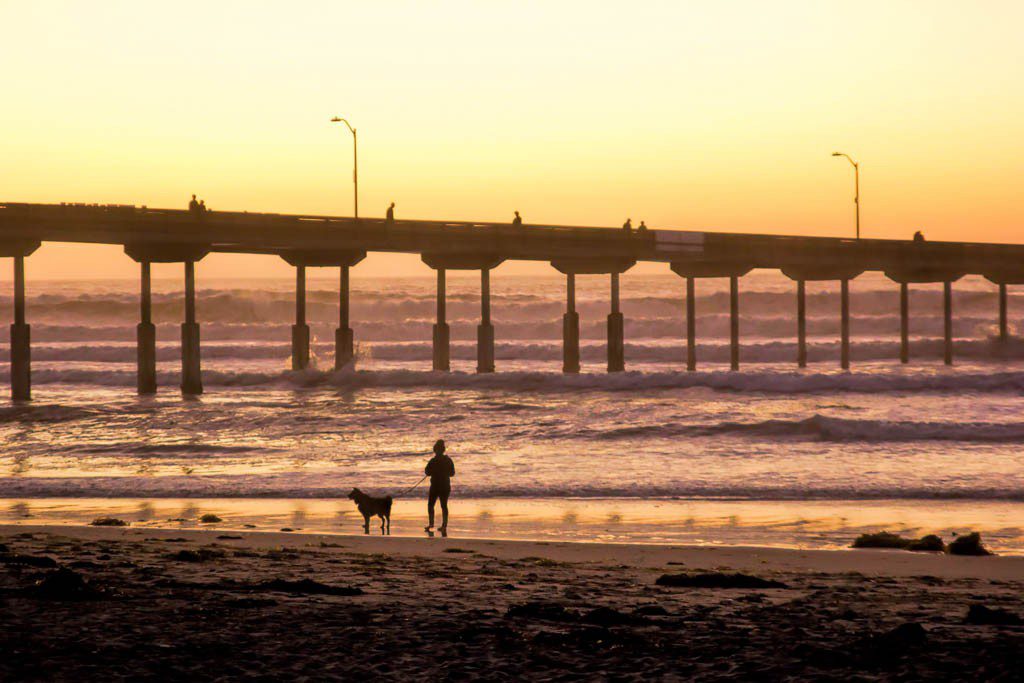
[691, 115]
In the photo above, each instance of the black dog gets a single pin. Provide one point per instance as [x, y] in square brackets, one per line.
[370, 506]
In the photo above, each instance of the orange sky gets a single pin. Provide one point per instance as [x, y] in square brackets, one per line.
[700, 115]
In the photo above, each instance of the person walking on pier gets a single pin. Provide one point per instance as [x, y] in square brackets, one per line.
[627, 227]
[390, 218]
[440, 469]
[517, 222]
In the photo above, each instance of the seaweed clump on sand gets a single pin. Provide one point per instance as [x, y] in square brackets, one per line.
[884, 539]
[108, 521]
[969, 544]
[210, 518]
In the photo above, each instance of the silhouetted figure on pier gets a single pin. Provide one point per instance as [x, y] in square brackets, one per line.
[390, 217]
[642, 227]
[440, 469]
[517, 221]
[919, 237]
[202, 208]
[627, 227]
[193, 206]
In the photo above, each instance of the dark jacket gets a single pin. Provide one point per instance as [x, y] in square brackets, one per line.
[440, 469]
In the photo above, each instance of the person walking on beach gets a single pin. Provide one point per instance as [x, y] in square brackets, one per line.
[440, 469]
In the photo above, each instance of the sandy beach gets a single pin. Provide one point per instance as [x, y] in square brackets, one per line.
[90, 603]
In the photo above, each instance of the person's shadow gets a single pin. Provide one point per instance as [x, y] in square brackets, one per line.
[444, 533]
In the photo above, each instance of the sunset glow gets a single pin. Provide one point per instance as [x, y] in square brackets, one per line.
[695, 116]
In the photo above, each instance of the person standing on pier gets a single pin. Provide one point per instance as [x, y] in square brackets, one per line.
[390, 218]
[517, 222]
[193, 206]
[440, 469]
[627, 227]
[641, 228]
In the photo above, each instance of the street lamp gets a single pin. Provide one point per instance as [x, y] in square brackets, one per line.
[355, 160]
[856, 185]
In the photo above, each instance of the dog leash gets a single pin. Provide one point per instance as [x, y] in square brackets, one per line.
[399, 495]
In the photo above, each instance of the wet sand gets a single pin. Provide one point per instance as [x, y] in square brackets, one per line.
[206, 605]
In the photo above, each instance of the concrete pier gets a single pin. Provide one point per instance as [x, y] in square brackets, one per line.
[691, 325]
[801, 324]
[904, 323]
[616, 325]
[947, 319]
[734, 323]
[21, 347]
[191, 372]
[570, 329]
[442, 335]
[485, 330]
[145, 335]
[300, 330]
[844, 324]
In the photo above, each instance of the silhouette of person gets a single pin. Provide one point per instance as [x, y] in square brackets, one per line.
[193, 206]
[440, 469]
[627, 227]
[517, 221]
[202, 207]
[918, 236]
[390, 218]
[642, 227]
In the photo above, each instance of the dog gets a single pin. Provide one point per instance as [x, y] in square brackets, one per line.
[370, 507]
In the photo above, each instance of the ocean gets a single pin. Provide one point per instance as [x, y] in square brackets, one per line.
[768, 455]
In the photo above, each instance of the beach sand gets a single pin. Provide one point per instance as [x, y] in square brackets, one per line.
[206, 605]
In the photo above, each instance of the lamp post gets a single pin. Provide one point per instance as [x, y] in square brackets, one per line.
[856, 184]
[355, 160]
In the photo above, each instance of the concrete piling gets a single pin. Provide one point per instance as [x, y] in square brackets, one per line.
[485, 330]
[145, 336]
[21, 364]
[616, 347]
[442, 335]
[191, 372]
[300, 330]
[570, 329]
[691, 325]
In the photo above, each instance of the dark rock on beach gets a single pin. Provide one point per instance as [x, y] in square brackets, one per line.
[991, 616]
[108, 521]
[64, 584]
[38, 561]
[969, 544]
[717, 580]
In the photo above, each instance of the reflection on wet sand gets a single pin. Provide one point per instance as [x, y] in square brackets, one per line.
[830, 524]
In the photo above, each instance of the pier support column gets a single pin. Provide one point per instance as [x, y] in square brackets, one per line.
[145, 336]
[691, 325]
[947, 306]
[570, 329]
[191, 373]
[344, 338]
[616, 346]
[442, 335]
[734, 323]
[801, 324]
[300, 330]
[21, 372]
[485, 330]
[904, 323]
[1002, 312]
[844, 316]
